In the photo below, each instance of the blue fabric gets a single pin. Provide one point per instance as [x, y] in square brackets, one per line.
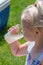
[30, 61]
[39, 59]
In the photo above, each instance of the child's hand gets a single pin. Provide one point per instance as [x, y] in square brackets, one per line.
[14, 29]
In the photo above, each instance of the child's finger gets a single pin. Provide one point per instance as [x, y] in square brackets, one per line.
[14, 29]
[10, 28]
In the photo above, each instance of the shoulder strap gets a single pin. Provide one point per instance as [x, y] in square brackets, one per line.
[39, 59]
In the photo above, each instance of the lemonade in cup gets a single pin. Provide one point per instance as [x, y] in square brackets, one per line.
[10, 38]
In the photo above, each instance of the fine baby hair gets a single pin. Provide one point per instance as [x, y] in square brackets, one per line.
[34, 14]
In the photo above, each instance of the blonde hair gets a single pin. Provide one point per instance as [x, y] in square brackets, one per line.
[31, 15]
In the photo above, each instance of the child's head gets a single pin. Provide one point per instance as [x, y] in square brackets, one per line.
[32, 26]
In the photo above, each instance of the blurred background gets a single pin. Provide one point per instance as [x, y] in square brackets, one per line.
[16, 8]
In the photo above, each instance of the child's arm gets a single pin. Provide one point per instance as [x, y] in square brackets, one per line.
[16, 48]
[19, 49]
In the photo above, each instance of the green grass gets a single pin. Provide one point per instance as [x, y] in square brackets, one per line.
[6, 57]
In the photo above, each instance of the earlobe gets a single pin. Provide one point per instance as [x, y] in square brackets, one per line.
[37, 30]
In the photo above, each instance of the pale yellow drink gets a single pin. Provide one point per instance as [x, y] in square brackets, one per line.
[10, 38]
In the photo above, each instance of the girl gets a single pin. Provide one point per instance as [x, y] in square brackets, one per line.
[32, 23]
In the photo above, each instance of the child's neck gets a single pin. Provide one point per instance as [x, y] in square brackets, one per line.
[39, 44]
[37, 49]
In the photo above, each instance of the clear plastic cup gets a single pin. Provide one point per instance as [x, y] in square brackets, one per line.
[10, 38]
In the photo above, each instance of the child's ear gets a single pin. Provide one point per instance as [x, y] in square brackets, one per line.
[37, 30]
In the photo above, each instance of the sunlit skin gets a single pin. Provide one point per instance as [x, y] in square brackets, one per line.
[30, 33]
[35, 34]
